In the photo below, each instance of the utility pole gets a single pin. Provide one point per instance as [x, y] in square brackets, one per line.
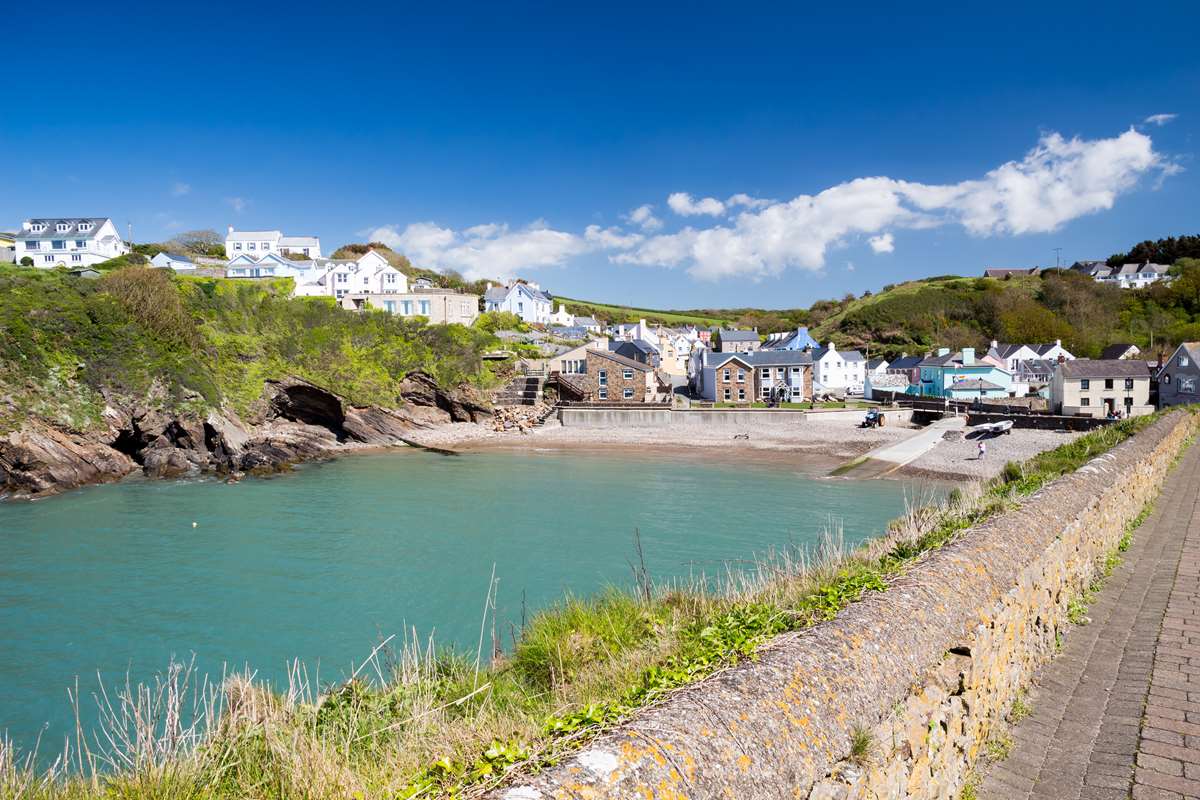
[1058, 257]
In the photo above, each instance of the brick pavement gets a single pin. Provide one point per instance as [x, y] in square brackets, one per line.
[1117, 713]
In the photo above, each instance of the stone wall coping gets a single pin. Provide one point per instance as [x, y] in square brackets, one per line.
[776, 726]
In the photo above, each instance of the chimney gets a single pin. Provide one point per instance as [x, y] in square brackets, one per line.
[995, 344]
[943, 351]
[26, 225]
[831, 347]
[1058, 342]
[230, 229]
[489, 286]
[968, 356]
[904, 354]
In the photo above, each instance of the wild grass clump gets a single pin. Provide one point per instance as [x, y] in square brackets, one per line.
[413, 721]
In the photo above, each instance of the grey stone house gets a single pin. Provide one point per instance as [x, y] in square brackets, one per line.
[1179, 377]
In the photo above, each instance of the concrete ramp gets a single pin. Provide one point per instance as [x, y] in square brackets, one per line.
[890, 457]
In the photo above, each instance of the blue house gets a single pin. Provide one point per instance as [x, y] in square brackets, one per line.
[960, 376]
[799, 339]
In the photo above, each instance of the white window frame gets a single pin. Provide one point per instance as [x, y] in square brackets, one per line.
[627, 374]
[602, 393]
[627, 394]
[602, 377]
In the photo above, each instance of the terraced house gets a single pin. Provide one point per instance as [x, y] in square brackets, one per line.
[1101, 388]
[611, 378]
[725, 378]
[1179, 377]
[68, 241]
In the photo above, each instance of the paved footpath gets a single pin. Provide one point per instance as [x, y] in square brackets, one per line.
[1117, 713]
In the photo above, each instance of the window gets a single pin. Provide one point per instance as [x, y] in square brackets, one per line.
[1166, 378]
[389, 306]
[741, 376]
[1085, 384]
[249, 245]
[424, 306]
[58, 244]
[48, 259]
[389, 278]
[795, 370]
[80, 243]
[766, 372]
[406, 307]
[341, 276]
[780, 372]
[627, 374]
[1187, 385]
[266, 245]
[602, 376]
[62, 227]
[37, 227]
[340, 293]
[1183, 360]
[33, 245]
[306, 251]
[76, 257]
[726, 395]
[1085, 401]
[627, 394]
[237, 245]
[603, 393]
[766, 392]
[84, 227]
[726, 375]
[1129, 384]
[741, 394]
[1108, 383]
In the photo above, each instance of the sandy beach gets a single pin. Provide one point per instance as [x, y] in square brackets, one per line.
[830, 440]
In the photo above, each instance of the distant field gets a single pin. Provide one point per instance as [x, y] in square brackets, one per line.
[613, 313]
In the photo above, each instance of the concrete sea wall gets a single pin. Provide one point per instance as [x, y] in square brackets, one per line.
[592, 417]
[929, 667]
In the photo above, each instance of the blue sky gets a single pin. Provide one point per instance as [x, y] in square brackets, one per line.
[489, 138]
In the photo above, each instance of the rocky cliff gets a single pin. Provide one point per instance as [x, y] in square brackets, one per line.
[293, 421]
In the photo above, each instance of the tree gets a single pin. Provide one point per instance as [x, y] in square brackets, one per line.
[204, 242]
[26, 261]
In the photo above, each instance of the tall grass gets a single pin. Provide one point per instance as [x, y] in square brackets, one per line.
[416, 721]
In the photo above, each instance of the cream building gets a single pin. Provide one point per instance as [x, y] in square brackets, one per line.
[1099, 388]
[439, 306]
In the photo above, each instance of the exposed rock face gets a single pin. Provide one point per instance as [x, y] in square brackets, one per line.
[297, 421]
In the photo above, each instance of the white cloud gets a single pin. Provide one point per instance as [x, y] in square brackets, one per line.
[849, 266]
[179, 189]
[683, 205]
[1159, 119]
[741, 199]
[643, 216]
[1057, 181]
[238, 204]
[884, 243]
[611, 238]
[483, 251]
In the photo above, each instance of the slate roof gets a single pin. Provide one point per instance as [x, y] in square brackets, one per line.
[1118, 349]
[733, 335]
[876, 363]
[777, 358]
[905, 362]
[714, 359]
[300, 241]
[847, 355]
[637, 344]
[496, 294]
[1004, 350]
[52, 231]
[246, 236]
[622, 360]
[176, 257]
[975, 384]
[1001, 272]
[586, 322]
[1105, 368]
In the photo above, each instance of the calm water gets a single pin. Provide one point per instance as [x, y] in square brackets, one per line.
[323, 563]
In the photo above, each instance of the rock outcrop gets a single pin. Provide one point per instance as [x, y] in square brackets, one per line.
[295, 421]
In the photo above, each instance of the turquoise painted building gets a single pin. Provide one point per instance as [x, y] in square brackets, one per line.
[960, 376]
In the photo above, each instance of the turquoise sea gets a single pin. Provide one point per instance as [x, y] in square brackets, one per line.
[323, 563]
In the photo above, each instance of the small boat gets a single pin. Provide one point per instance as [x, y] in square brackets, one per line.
[996, 428]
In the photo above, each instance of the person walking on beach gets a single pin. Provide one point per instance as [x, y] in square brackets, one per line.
[982, 450]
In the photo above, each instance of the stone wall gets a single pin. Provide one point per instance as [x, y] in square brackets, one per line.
[930, 667]
[585, 417]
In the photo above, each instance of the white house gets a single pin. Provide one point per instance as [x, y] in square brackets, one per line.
[259, 243]
[526, 300]
[369, 274]
[1011, 356]
[68, 241]
[836, 371]
[270, 265]
[562, 317]
[1126, 276]
[174, 261]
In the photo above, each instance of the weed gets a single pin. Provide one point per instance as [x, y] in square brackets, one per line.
[999, 747]
[862, 745]
[1077, 612]
[1020, 709]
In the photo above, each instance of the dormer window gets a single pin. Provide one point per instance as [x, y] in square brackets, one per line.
[85, 226]
[37, 227]
[63, 227]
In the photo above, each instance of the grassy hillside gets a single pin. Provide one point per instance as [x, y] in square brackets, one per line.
[955, 312]
[612, 313]
[204, 341]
